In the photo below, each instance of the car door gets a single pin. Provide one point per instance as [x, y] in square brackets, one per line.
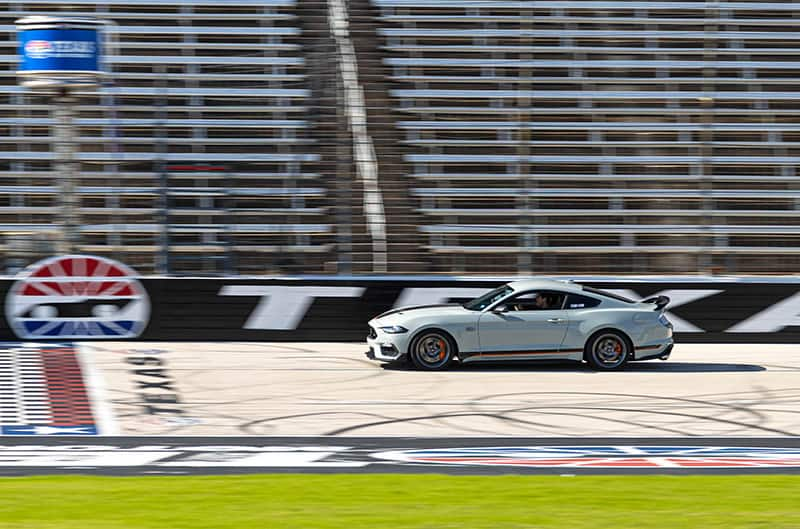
[582, 314]
[522, 328]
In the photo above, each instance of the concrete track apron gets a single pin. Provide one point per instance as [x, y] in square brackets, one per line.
[330, 389]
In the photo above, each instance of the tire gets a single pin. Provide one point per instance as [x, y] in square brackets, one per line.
[608, 350]
[432, 351]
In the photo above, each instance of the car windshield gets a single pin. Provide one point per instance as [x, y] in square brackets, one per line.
[487, 299]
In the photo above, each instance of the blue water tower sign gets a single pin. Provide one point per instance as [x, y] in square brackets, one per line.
[61, 57]
[60, 48]
[72, 50]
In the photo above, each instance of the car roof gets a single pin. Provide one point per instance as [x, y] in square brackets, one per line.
[545, 284]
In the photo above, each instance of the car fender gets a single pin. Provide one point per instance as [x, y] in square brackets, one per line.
[465, 334]
[582, 326]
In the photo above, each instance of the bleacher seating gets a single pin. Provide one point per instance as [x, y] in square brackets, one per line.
[205, 128]
[509, 137]
[600, 136]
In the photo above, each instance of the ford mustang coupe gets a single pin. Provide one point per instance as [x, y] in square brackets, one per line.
[526, 320]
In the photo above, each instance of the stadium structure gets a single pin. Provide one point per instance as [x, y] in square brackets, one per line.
[420, 136]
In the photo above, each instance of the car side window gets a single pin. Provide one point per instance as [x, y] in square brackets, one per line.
[530, 301]
[576, 301]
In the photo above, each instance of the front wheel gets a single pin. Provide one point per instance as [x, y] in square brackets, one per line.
[607, 351]
[432, 351]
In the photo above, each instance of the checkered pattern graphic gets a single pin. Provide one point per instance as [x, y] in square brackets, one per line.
[42, 391]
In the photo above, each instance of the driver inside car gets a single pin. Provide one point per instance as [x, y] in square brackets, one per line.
[540, 302]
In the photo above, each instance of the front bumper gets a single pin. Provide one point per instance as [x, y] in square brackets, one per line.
[385, 347]
[384, 353]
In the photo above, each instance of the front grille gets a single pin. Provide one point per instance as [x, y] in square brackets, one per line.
[389, 350]
[372, 334]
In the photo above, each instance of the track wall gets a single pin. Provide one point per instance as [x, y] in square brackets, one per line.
[338, 309]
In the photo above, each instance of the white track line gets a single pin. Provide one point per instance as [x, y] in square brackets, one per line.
[97, 392]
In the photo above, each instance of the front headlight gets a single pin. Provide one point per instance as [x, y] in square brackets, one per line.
[394, 329]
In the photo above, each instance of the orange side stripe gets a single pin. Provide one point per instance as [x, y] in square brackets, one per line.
[551, 352]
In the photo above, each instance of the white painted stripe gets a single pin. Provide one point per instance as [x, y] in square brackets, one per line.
[16, 389]
[35, 399]
[97, 391]
[25, 398]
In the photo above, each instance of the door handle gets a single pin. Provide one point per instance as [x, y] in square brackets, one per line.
[556, 320]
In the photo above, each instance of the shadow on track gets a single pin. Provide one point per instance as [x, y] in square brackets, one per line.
[578, 367]
[690, 367]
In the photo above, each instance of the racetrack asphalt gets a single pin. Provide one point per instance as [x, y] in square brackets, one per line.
[289, 389]
[212, 408]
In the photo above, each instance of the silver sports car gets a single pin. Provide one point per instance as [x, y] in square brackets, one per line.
[526, 320]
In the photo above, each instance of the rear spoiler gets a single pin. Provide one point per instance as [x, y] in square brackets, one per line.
[659, 301]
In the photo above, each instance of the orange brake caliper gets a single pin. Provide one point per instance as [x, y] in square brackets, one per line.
[442, 346]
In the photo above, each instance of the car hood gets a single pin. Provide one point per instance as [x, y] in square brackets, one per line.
[422, 310]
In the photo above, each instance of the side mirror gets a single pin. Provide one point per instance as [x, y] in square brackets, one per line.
[500, 309]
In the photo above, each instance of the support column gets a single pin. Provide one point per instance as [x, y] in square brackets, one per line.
[67, 174]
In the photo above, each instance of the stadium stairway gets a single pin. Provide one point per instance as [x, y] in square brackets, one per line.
[354, 249]
[333, 141]
[405, 243]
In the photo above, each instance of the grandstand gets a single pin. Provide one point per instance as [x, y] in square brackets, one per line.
[196, 158]
[584, 136]
[425, 136]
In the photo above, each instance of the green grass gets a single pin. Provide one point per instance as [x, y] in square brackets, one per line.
[400, 501]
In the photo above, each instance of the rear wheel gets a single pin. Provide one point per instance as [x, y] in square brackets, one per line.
[608, 350]
[432, 351]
